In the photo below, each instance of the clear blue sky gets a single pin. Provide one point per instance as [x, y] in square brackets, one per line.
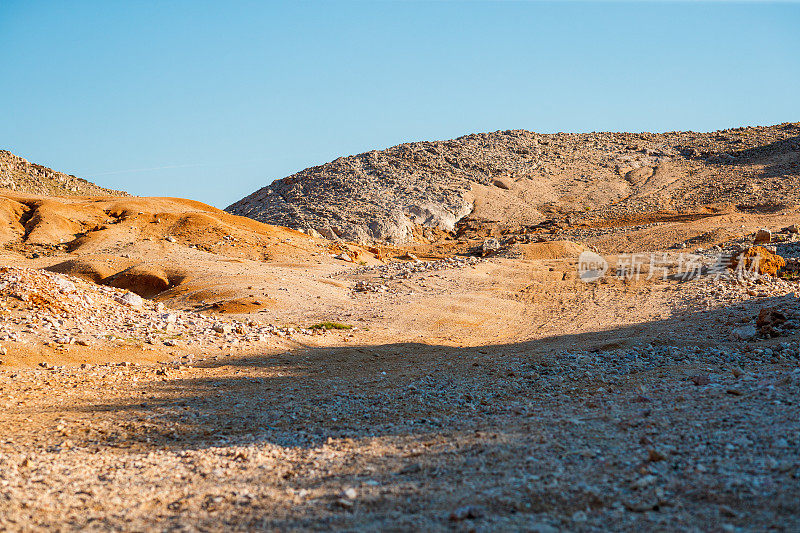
[212, 100]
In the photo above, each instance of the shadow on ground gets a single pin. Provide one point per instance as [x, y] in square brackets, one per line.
[304, 397]
[496, 437]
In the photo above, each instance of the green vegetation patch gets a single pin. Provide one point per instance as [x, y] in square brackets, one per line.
[331, 325]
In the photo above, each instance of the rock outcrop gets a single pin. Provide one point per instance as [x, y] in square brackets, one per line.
[19, 175]
[519, 177]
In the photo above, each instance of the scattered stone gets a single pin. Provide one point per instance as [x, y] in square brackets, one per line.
[222, 328]
[22, 176]
[745, 333]
[369, 286]
[769, 322]
[394, 195]
[489, 247]
[345, 503]
[763, 236]
[654, 455]
[411, 468]
[70, 311]
[131, 299]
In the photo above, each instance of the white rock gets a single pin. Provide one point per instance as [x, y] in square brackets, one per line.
[222, 328]
[65, 285]
[745, 333]
[130, 299]
[490, 246]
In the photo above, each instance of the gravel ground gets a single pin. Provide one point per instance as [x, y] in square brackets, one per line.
[648, 436]
[671, 423]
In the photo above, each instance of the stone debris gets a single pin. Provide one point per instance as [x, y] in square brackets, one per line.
[131, 299]
[224, 329]
[489, 247]
[368, 286]
[671, 417]
[404, 269]
[745, 333]
[20, 175]
[582, 439]
[714, 291]
[41, 307]
[343, 257]
[469, 512]
[382, 279]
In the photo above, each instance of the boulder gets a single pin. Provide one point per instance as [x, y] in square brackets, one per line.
[769, 320]
[763, 236]
[758, 259]
[744, 333]
[489, 246]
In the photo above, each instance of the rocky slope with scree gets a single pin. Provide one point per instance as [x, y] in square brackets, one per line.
[17, 174]
[521, 178]
[40, 308]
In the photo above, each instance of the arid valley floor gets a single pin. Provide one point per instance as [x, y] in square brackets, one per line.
[170, 366]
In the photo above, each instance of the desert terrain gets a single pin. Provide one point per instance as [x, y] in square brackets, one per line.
[167, 365]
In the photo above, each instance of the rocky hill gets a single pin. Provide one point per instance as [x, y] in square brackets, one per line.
[17, 174]
[521, 178]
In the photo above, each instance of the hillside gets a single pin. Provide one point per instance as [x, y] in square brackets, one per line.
[519, 179]
[19, 175]
[287, 381]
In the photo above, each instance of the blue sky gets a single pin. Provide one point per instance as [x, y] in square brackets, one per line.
[212, 100]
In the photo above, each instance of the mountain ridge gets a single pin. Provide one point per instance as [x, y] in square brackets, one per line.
[519, 177]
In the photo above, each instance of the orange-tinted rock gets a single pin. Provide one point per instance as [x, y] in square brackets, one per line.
[759, 259]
